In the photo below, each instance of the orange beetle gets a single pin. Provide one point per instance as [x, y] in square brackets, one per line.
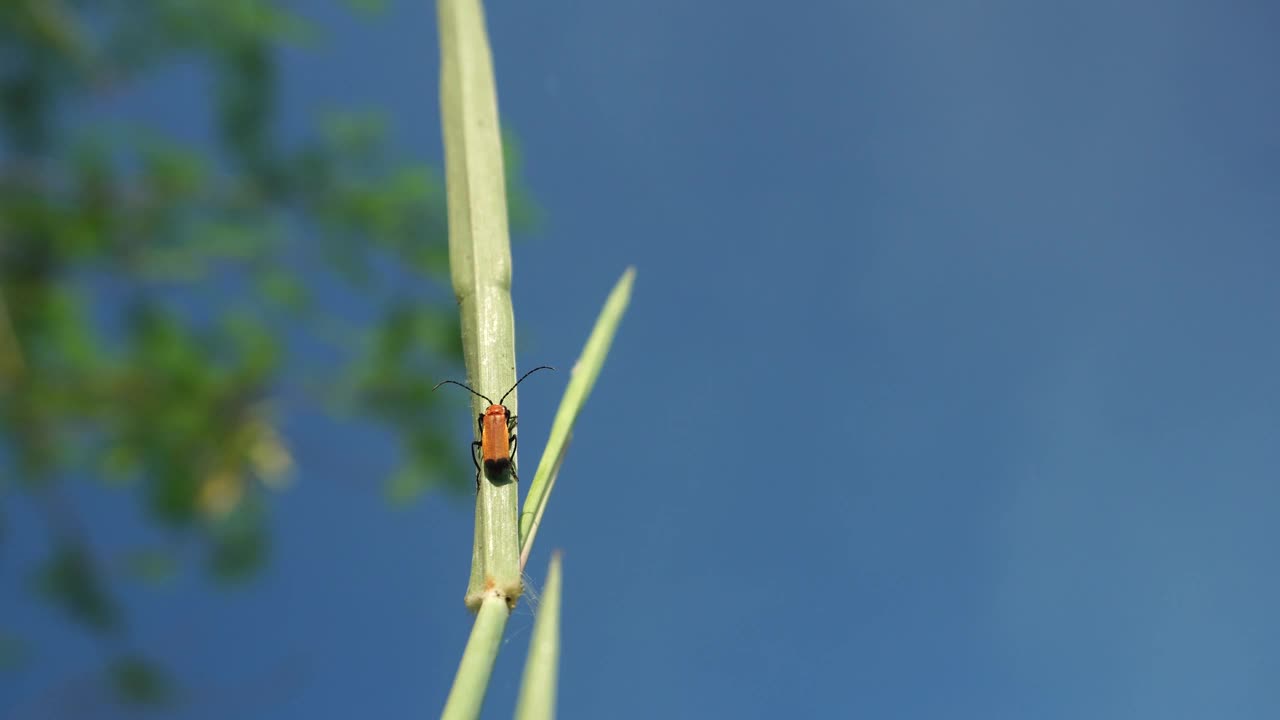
[497, 441]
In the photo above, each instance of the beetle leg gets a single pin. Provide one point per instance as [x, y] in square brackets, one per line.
[475, 458]
[512, 462]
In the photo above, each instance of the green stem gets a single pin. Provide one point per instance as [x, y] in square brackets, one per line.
[480, 263]
[467, 695]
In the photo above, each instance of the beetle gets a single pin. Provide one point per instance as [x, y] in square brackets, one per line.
[497, 443]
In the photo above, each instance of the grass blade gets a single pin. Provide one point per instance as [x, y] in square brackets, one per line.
[542, 669]
[527, 546]
[585, 372]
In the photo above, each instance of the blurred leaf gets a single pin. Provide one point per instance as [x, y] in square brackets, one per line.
[283, 289]
[521, 210]
[220, 493]
[356, 138]
[255, 346]
[239, 544]
[139, 682]
[119, 464]
[170, 172]
[13, 651]
[245, 93]
[431, 466]
[70, 581]
[152, 565]
[172, 493]
[268, 456]
[367, 6]
[162, 294]
[54, 25]
[406, 485]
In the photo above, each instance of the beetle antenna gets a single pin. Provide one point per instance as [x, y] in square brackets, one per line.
[522, 377]
[465, 387]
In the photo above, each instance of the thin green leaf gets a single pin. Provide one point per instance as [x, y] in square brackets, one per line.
[527, 546]
[585, 372]
[542, 669]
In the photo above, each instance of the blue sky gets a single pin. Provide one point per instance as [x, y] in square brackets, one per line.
[948, 388]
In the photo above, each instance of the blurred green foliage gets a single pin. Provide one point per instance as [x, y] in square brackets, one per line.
[140, 682]
[157, 296]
